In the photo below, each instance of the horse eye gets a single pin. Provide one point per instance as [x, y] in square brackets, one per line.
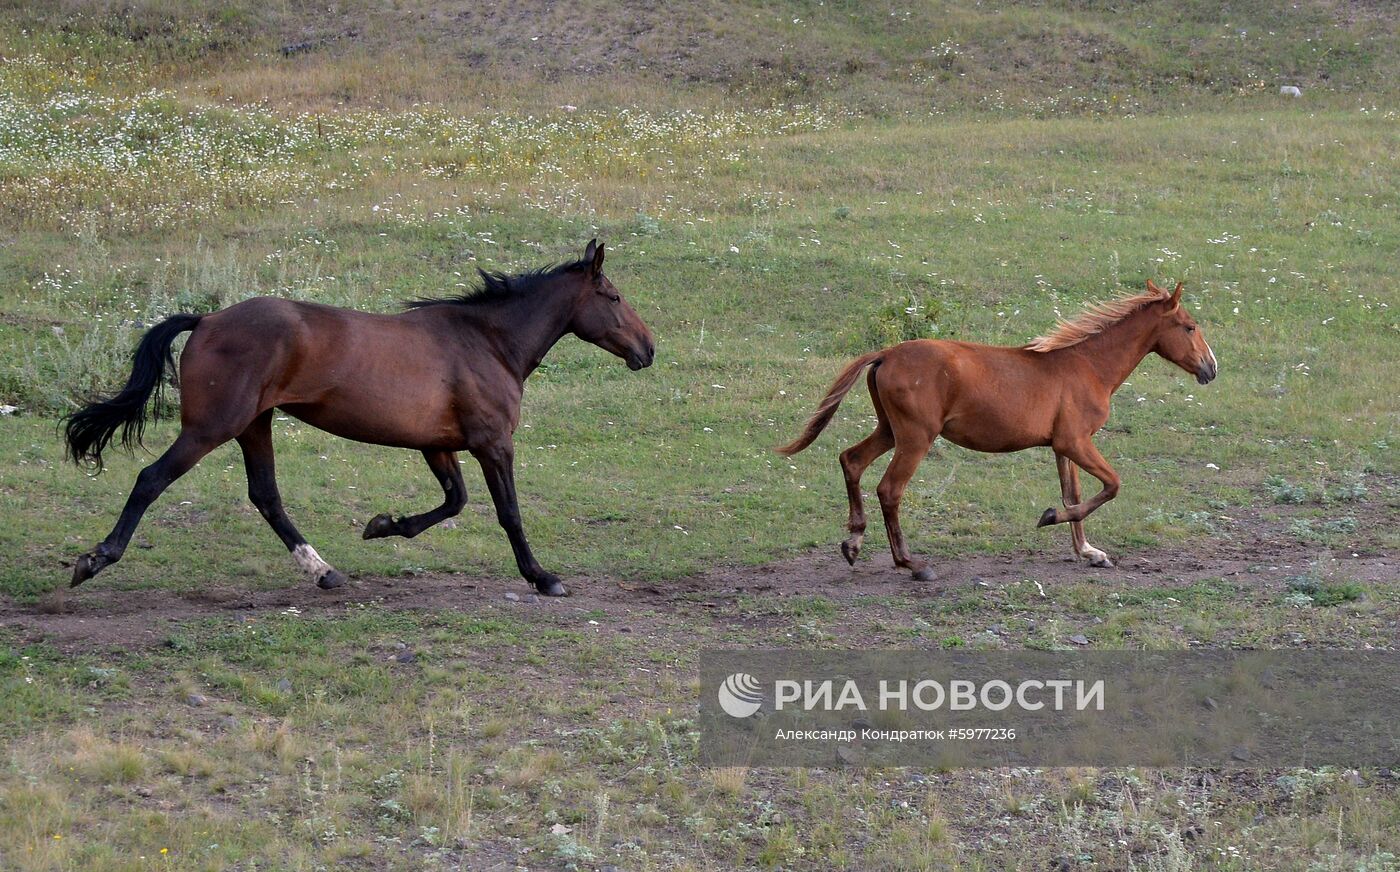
[1190, 329]
[616, 298]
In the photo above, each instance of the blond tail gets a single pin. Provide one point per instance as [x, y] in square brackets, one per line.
[817, 423]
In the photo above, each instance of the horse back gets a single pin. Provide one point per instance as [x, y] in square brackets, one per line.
[386, 379]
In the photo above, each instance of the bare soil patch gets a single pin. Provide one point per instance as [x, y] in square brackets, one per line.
[1258, 547]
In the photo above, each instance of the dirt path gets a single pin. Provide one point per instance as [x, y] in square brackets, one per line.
[95, 617]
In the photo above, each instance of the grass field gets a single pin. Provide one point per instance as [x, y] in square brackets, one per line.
[883, 175]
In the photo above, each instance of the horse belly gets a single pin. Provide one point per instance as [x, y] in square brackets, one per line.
[996, 428]
[381, 418]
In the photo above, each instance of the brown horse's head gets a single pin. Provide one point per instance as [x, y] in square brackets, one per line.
[1180, 339]
[602, 317]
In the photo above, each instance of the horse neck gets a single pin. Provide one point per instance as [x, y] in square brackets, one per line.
[1118, 349]
[523, 329]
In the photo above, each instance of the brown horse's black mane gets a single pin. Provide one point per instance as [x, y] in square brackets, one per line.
[497, 287]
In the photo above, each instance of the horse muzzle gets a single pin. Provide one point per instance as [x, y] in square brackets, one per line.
[641, 358]
[1205, 373]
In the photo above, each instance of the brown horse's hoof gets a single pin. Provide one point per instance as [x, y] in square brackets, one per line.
[379, 526]
[850, 552]
[925, 573]
[551, 586]
[1047, 518]
[86, 567]
[333, 579]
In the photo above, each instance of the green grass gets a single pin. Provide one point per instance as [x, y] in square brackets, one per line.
[947, 171]
[834, 230]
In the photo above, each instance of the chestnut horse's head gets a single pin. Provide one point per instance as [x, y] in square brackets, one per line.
[602, 317]
[1180, 339]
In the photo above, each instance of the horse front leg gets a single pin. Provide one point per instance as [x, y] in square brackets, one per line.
[454, 498]
[498, 467]
[1069, 493]
[1088, 457]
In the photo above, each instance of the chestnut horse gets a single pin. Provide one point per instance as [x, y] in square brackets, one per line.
[1054, 391]
[444, 376]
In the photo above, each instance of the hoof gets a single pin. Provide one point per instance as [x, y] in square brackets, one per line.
[925, 573]
[850, 552]
[379, 526]
[1099, 560]
[1047, 518]
[333, 579]
[86, 567]
[551, 586]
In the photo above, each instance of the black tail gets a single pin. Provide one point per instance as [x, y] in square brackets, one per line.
[90, 429]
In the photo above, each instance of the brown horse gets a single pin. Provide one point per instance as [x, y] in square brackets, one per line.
[1054, 391]
[444, 376]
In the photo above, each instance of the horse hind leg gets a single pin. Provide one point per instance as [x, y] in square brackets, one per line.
[854, 461]
[258, 460]
[911, 446]
[449, 476]
[1071, 496]
[189, 448]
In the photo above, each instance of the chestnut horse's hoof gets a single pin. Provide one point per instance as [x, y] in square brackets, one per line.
[1097, 559]
[1047, 518]
[86, 567]
[551, 586]
[850, 552]
[379, 526]
[333, 579]
[925, 573]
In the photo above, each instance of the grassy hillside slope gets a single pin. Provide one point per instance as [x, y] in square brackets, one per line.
[782, 185]
[1044, 57]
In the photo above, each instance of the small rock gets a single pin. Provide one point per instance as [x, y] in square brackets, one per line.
[197, 700]
[1193, 832]
[228, 723]
[1353, 778]
[406, 657]
[1061, 864]
[400, 646]
[1205, 779]
[609, 868]
[284, 685]
[997, 629]
[1241, 754]
[8, 410]
[980, 583]
[1079, 639]
[987, 641]
[449, 524]
[846, 755]
[1210, 703]
[532, 598]
[560, 830]
[143, 791]
[512, 596]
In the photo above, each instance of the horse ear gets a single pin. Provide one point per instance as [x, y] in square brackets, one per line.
[1176, 296]
[1152, 287]
[588, 252]
[597, 259]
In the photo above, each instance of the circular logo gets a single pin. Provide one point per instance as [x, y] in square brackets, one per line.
[739, 695]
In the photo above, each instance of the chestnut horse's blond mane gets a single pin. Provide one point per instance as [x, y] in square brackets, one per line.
[1095, 319]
